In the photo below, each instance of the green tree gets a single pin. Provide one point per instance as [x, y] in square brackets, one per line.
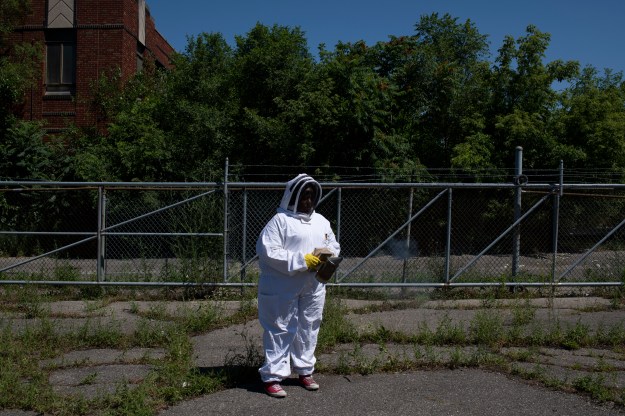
[26, 156]
[361, 102]
[269, 67]
[593, 121]
[197, 109]
[524, 102]
[12, 13]
[447, 76]
[134, 146]
[18, 63]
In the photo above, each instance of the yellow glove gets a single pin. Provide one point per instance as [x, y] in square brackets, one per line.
[312, 261]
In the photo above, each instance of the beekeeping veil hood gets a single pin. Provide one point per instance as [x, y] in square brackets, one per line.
[292, 192]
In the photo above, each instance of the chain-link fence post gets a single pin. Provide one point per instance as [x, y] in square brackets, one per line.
[101, 246]
[225, 233]
[556, 222]
[448, 236]
[516, 239]
[244, 236]
[410, 198]
[338, 224]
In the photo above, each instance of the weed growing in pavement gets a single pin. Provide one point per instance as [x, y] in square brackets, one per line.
[248, 309]
[94, 305]
[523, 313]
[490, 302]
[613, 337]
[98, 334]
[538, 373]
[150, 333]
[457, 358]
[156, 311]
[487, 331]
[243, 367]
[486, 328]
[134, 308]
[514, 335]
[395, 364]
[520, 354]
[424, 335]
[382, 335]
[417, 352]
[199, 319]
[360, 362]
[577, 336]
[27, 301]
[24, 384]
[485, 357]
[603, 366]
[175, 378]
[65, 271]
[386, 306]
[128, 401]
[336, 328]
[334, 293]
[89, 379]
[537, 335]
[594, 385]
[449, 333]
[430, 355]
[449, 344]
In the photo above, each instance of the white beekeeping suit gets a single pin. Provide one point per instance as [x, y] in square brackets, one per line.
[290, 298]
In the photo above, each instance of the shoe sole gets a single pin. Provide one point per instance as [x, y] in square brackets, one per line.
[311, 388]
[278, 395]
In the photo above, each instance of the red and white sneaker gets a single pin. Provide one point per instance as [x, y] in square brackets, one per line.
[274, 389]
[308, 382]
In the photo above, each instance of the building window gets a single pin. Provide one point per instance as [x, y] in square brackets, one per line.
[60, 62]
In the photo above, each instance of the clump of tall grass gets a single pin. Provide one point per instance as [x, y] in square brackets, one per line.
[335, 328]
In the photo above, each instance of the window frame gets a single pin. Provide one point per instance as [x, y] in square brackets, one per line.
[65, 84]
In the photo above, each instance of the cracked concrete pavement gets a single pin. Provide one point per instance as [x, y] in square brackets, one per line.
[439, 391]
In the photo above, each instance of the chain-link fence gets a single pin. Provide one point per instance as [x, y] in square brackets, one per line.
[409, 234]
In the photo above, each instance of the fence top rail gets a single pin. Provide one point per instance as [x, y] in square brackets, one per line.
[22, 185]
[47, 184]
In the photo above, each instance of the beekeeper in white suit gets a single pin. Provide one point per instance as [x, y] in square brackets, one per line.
[290, 298]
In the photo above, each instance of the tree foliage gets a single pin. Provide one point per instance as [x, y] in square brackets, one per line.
[18, 62]
[429, 99]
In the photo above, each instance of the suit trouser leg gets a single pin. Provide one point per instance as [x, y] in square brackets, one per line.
[310, 312]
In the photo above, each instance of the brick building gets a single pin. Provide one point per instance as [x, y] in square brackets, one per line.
[83, 39]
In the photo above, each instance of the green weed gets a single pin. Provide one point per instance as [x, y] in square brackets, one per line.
[449, 333]
[486, 328]
[577, 336]
[523, 313]
[241, 367]
[595, 386]
[96, 334]
[335, 328]
[200, 319]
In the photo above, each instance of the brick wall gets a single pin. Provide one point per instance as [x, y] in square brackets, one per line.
[156, 43]
[106, 39]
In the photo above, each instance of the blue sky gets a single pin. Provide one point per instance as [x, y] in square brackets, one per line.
[590, 31]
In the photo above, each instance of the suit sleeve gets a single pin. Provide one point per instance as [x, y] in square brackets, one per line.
[271, 250]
